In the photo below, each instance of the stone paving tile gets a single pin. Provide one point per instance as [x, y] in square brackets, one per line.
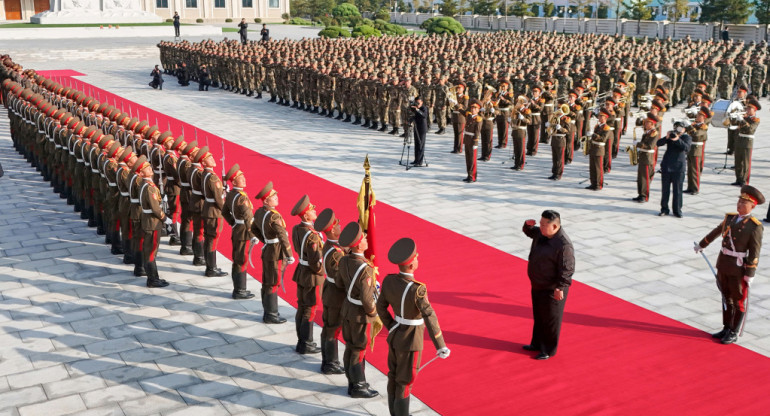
[62, 406]
[113, 394]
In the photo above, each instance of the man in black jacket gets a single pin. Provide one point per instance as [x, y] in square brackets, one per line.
[673, 166]
[420, 129]
[550, 268]
[242, 27]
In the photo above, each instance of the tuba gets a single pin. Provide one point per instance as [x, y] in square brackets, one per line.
[553, 121]
[633, 156]
[585, 141]
[660, 79]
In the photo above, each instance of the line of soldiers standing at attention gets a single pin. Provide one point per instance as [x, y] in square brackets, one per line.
[372, 81]
[129, 180]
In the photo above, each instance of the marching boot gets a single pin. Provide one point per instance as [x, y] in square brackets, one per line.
[128, 255]
[347, 119]
[358, 121]
[139, 269]
[306, 344]
[70, 198]
[360, 388]
[91, 216]
[383, 128]
[315, 110]
[367, 123]
[330, 114]
[117, 246]
[174, 236]
[99, 223]
[153, 280]
[295, 105]
[374, 125]
[198, 253]
[259, 95]
[239, 285]
[339, 116]
[108, 237]
[83, 209]
[394, 131]
[323, 112]
[271, 100]
[286, 102]
[401, 406]
[330, 363]
[211, 266]
[270, 305]
[186, 240]
[440, 131]
[725, 323]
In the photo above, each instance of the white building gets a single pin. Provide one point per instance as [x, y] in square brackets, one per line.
[189, 10]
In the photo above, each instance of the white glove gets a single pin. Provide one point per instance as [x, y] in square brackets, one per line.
[290, 260]
[521, 116]
[697, 248]
[443, 353]
[748, 279]
[254, 241]
[168, 221]
[547, 124]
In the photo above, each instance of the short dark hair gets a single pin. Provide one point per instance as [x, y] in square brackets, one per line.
[551, 216]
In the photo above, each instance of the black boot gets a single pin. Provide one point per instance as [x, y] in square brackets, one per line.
[139, 269]
[83, 210]
[330, 363]
[117, 248]
[100, 224]
[239, 285]
[259, 95]
[383, 128]
[725, 323]
[270, 305]
[357, 121]
[271, 100]
[374, 125]
[70, 197]
[367, 123]
[360, 388]
[91, 216]
[153, 280]
[211, 265]
[347, 119]
[394, 131]
[128, 255]
[330, 114]
[186, 240]
[339, 116]
[198, 259]
[305, 345]
[173, 239]
[401, 405]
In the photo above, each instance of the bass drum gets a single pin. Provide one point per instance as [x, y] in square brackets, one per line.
[720, 112]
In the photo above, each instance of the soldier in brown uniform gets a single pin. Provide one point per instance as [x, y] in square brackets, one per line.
[171, 185]
[269, 228]
[558, 146]
[597, 143]
[458, 117]
[135, 216]
[533, 128]
[520, 119]
[213, 202]
[196, 206]
[152, 218]
[744, 143]
[645, 151]
[332, 296]
[308, 275]
[125, 163]
[356, 277]
[412, 313]
[471, 137]
[184, 171]
[737, 262]
[238, 212]
[504, 103]
[698, 131]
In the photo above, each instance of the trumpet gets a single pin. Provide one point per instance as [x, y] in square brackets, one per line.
[633, 156]
[690, 112]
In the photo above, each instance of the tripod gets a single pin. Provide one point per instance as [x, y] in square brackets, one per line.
[720, 170]
[407, 147]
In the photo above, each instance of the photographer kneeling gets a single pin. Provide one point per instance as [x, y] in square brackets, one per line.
[673, 166]
[419, 120]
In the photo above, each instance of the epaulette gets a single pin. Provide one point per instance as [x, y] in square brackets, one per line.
[654, 133]
[527, 111]
[755, 119]
[606, 127]
[578, 107]
[478, 119]
[731, 213]
[756, 221]
[243, 194]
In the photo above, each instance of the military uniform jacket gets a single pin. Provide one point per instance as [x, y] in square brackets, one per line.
[440, 93]
[699, 134]
[746, 129]
[134, 185]
[536, 106]
[645, 148]
[332, 254]
[196, 186]
[170, 174]
[238, 213]
[183, 171]
[459, 109]
[599, 138]
[149, 198]
[213, 195]
[524, 120]
[268, 226]
[472, 128]
[741, 242]
[413, 313]
[356, 278]
[309, 272]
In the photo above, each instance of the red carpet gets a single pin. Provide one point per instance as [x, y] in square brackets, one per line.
[614, 358]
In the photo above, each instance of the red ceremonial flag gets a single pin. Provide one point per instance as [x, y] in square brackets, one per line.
[366, 218]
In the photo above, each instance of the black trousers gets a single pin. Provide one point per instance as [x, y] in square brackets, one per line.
[547, 313]
[675, 180]
[419, 132]
[176, 30]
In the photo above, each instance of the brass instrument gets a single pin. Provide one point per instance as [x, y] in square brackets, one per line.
[553, 121]
[585, 141]
[522, 102]
[691, 112]
[633, 131]
[633, 156]
[452, 95]
[734, 112]
[660, 79]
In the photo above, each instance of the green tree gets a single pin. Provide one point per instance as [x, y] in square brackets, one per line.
[449, 7]
[334, 32]
[638, 9]
[321, 7]
[603, 11]
[444, 26]
[301, 8]
[549, 9]
[762, 11]
[345, 10]
[520, 8]
[483, 7]
[535, 9]
[365, 31]
[725, 11]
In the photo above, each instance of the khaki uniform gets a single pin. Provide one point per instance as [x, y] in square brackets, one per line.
[645, 169]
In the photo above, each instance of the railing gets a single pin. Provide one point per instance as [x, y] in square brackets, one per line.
[650, 28]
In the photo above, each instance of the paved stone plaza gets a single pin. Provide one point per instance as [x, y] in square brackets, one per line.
[78, 331]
